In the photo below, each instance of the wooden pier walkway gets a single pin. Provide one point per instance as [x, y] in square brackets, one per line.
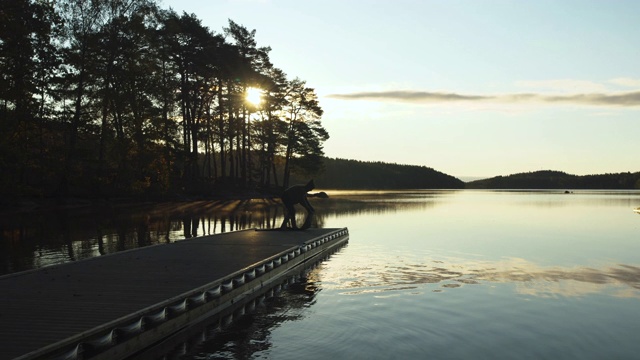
[111, 307]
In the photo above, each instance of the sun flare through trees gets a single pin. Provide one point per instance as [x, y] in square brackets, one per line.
[126, 98]
[254, 96]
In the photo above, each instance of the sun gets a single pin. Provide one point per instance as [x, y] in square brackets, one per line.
[253, 96]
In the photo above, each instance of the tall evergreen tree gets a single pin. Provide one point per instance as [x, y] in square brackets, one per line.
[249, 73]
[304, 134]
[28, 67]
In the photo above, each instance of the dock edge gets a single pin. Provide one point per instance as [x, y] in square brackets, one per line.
[128, 335]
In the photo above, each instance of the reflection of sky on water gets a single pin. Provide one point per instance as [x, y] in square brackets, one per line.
[543, 243]
[527, 278]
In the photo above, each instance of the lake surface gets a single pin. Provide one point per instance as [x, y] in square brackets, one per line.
[426, 274]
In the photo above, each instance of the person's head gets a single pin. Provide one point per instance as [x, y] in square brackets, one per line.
[310, 185]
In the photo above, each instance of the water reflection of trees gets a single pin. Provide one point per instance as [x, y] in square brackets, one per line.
[249, 334]
[39, 239]
[33, 240]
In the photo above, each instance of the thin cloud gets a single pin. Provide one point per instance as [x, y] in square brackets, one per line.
[626, 99]
[407, 95]
[623, 99]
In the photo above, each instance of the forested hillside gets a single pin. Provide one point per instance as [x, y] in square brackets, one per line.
[353, 174]
[558, 180]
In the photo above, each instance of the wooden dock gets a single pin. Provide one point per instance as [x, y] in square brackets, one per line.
[113, 306]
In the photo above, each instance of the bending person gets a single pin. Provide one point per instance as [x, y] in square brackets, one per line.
[297, 194]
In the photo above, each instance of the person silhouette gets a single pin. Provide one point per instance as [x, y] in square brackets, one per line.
[297, 194]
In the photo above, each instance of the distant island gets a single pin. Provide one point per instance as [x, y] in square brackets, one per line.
[549, 179]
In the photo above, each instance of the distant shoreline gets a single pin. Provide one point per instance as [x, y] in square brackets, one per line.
[550, 179]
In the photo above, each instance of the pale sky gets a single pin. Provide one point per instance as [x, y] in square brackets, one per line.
[470, 88]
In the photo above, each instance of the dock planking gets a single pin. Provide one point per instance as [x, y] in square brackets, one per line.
[48, 309]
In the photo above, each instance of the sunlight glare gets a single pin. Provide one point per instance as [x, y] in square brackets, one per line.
[254, 96]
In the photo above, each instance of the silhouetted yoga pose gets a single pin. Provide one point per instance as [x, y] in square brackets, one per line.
[297, 194]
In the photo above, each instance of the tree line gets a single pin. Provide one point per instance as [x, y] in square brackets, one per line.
[548, 179]
[124, 98]
[376, 175]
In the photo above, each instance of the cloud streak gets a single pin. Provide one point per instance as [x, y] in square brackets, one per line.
[621, 99]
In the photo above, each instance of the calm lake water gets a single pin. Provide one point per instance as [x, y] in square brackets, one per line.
[426, 274]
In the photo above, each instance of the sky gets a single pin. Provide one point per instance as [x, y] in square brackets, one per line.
[471, 88]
